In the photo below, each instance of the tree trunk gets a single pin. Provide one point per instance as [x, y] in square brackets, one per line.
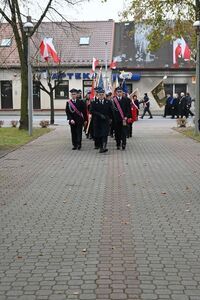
[24, 97]
[52, 108]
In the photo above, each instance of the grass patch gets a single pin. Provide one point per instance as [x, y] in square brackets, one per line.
[189, 132]
[11, 138]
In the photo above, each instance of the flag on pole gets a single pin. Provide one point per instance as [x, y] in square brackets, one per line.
[100, 82]
[135, 92]
[47, 50]
[180, 50]
[158, 93]
[124, 86]
[115, 84]
[95, 63]
[113, 64]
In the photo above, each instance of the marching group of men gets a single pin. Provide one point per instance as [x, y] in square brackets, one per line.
[102, 116]
[178, 105]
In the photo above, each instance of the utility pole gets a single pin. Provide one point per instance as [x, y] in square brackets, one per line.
[197, 94]
[106, 64]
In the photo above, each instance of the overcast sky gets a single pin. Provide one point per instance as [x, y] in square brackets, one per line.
[96, 10]
[86, 11]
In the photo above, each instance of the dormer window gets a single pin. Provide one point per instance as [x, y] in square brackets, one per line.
[6, 42]
[85, 40]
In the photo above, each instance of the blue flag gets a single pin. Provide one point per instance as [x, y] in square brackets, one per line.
[100, 83]
[124, 86]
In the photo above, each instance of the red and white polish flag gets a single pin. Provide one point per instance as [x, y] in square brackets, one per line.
[113, 64]
[95, 63]
[47, 50]
[180, 50]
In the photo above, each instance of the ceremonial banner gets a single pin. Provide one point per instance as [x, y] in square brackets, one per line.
[135, 92]
[159, 94]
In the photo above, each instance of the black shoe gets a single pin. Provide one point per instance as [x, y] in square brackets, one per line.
[101, 150]
[150, 117]
[118, 147]
[74, 148]
[123, 147]
[79, 147]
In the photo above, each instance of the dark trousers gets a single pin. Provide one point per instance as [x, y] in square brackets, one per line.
[130, 129]
[146, 109]
[100, 142]
[120, 134]
[76, 133]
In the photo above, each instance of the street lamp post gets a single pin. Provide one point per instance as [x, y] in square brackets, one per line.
[197, 94]
[106, 64]
[28, 27]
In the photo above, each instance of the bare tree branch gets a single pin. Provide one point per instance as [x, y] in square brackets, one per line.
[42, 17]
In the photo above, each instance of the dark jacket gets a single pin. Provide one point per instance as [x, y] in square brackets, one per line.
[125, 105]
[101, 115]
[72, 115]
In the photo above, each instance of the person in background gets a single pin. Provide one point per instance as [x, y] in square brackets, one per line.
[146, 104]
[137, 103]
[188, 105]
[79, 94]
[109, 97]
[101, 110]
[168, 103]
[182, 105]
[134, 113]
[121, 112]
[77, 117]
[174, 106]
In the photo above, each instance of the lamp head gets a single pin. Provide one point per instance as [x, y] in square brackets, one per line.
[196, 25]
[28, 26]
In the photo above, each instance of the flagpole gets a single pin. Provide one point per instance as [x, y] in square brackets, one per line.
[106, 64]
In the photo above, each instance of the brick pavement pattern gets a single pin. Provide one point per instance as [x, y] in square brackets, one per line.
[84, 225]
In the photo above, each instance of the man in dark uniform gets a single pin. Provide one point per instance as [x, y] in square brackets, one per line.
[101, 110]
[122, 112]
[77, 116]
[182, 106]
[146, 103]
[79, 94]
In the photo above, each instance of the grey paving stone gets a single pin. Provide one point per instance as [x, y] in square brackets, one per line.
[124, 225]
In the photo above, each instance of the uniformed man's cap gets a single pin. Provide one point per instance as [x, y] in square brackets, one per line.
[109, 94]
[79, 91]
[96, 89]
[73, 91]
[101, 91]
[119, 89]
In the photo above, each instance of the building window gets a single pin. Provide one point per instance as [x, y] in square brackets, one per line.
[62, 90]
[85, 40]
[87, 84]
[6, 42]
[168, 89]
[175, 88]
[6, 94]
[180, 88]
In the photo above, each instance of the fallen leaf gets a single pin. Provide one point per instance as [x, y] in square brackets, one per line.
[124, 222]
[19, 257]
[25, 203]
[163, 193]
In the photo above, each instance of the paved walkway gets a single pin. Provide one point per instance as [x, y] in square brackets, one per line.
[84, 225]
